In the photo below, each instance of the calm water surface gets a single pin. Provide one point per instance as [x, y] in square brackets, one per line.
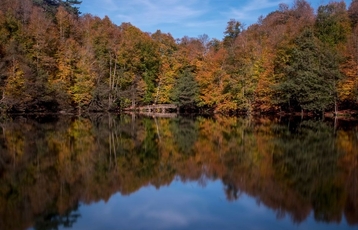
[125, 172]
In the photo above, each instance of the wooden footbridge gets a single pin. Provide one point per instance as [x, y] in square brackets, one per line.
[155, 108]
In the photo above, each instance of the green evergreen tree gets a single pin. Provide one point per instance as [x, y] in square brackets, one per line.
[233, 29]
[186, 90]
[308, 75]
[51, 6]
[332, 23]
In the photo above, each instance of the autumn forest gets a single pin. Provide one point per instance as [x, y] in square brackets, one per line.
[54, 58]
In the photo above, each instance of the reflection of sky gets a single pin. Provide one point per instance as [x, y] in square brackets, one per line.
[185, 206]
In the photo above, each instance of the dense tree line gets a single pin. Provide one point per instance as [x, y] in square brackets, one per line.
[53, 58]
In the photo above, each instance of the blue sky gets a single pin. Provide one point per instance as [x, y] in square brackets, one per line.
[185, 17]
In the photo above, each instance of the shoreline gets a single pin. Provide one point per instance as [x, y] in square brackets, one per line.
[344, 114]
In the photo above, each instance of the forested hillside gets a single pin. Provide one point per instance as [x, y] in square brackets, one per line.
[54, 58]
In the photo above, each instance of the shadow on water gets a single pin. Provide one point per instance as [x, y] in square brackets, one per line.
[49, 165]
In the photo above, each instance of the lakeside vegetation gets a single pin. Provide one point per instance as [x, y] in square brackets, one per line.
[54, 58]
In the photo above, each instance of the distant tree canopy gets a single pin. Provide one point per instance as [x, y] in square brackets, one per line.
[54, 58]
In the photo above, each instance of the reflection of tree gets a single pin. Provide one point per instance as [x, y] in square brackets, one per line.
[232, 193]
[53, 220]
[185, 134]
[347, 140]
[307, 160]
[49, 166]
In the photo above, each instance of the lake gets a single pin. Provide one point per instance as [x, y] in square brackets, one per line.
[106, 171]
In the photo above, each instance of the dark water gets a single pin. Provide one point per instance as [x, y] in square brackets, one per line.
[121, 172]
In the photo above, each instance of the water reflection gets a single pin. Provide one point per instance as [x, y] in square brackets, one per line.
[49, 165]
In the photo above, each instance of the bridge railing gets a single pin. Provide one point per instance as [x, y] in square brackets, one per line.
[157, 108]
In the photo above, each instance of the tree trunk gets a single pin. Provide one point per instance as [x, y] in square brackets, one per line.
[302, 111]
[133, 97]
[335, 107]
[156, 97]
[134, 91]
[109, 82]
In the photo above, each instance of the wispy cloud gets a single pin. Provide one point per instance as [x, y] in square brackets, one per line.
[155, 12]
[180, 18]
[256, 5]
[249, 12]
[208, 23]
[109, 5]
